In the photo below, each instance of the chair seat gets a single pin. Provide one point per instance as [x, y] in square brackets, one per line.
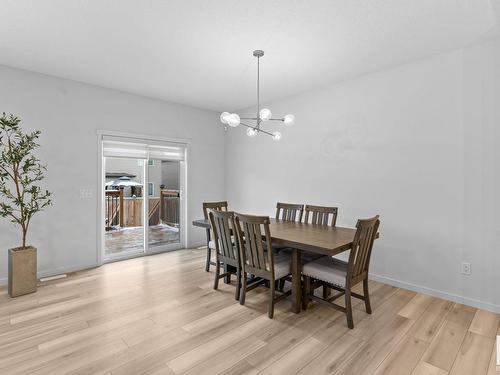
[282, 266]
[331, 270]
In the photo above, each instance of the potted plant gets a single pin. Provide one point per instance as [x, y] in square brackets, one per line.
[20, 198]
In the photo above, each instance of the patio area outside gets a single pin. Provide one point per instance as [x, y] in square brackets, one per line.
[132, 238]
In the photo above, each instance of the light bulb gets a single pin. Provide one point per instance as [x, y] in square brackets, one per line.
[224, 117]
[251, 132]
[289, 120]
[233, 120]
[276, 136]
[265, 114]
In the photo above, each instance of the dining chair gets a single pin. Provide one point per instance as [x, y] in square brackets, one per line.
[289, 211]
[258, 258]
[217, 206]
[227, 251]
[320, 215]
[342, 276]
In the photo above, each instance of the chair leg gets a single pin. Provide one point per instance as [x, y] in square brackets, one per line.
[243, 288]
[209, 252]
[238, 284]
[217, 273]
[271, 301]
[305, 293]
[326, 291]
[348, 308]
[227, 278]
[368, 306]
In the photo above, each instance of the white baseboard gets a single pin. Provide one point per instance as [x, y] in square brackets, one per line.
[437, 293]
[57, 271]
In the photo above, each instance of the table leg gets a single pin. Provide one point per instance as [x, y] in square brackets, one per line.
[296, 289]
[207, 265]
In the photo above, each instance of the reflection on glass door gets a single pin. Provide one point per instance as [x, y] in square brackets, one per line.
[124, 206]
[164, 203]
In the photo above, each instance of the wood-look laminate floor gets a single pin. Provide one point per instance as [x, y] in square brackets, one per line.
[160, 315]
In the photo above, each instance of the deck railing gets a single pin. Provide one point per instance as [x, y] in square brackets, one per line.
[114, 208]
[127, 211]
[170, 207]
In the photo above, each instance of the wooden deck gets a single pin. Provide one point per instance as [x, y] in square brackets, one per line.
[160, 315]
[132, 238]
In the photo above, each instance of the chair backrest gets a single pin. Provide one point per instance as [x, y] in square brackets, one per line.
[256, 252]
[217, 206]
[321, 215]
[359, 258]
[289, 211]
[222, 222]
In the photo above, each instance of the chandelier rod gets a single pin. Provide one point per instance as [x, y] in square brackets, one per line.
[258, 91]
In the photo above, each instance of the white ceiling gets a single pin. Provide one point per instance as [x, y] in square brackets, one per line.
[199, 52]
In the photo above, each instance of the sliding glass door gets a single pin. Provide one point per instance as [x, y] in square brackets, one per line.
[124, 206]
[164, 203]
[142, 197]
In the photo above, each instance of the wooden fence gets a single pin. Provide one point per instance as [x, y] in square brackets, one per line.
[127, 211]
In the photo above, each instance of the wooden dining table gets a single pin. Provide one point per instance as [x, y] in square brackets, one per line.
[319, 239]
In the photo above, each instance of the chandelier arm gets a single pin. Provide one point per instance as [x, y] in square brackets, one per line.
[248, 118]
[276, 119]
[248, 126]
[256, 128]
[265, 132]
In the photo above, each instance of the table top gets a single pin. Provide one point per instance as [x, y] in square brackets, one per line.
[202, 223]
[321, 239]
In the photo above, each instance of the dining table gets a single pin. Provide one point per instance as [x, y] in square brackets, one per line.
[304, 237]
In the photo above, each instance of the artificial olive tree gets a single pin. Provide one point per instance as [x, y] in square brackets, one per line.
[21, 196]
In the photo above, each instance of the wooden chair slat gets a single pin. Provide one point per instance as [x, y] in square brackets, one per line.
[321, 215]
[289, 211]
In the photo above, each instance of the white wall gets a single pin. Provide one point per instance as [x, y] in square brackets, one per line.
[69, 114]
[417, 144]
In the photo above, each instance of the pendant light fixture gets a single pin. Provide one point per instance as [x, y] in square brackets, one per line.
[263, 115]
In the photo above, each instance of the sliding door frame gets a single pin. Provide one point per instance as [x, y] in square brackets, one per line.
[184, 189]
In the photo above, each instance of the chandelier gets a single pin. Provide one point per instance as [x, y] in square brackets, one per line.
[263, 115]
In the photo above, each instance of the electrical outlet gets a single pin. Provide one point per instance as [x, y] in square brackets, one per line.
[465, 268]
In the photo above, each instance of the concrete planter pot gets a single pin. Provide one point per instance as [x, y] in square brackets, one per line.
[22, 271]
